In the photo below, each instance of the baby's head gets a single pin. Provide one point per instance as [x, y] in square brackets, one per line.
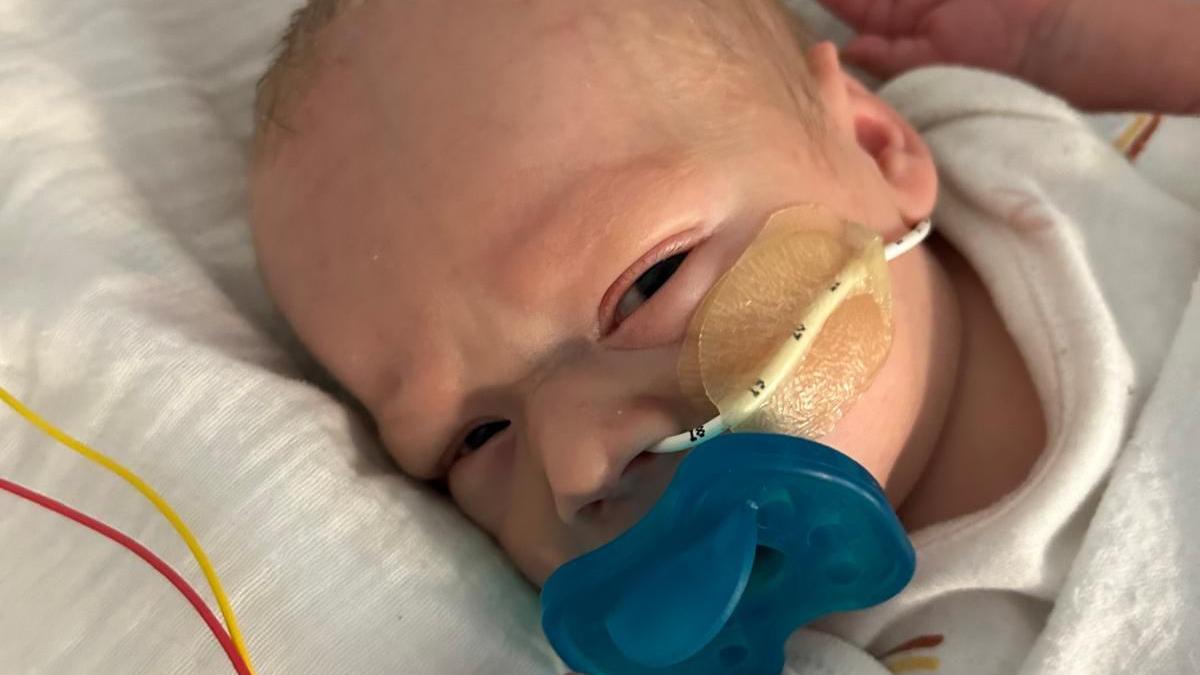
[491, 221]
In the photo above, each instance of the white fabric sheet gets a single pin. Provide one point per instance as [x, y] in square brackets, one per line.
[131, 315]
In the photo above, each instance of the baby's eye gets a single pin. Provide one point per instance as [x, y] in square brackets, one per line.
[481, 434]
[647, 285]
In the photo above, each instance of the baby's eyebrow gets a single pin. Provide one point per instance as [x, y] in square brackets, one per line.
[651, 190]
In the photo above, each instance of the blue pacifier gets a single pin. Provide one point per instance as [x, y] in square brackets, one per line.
[757, 535]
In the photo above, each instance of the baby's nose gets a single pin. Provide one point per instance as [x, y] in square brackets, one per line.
[583, 475]
[588, 422]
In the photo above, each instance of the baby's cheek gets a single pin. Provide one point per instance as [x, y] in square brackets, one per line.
[482, 485]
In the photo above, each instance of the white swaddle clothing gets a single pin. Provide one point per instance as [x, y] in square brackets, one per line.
[1091, 266]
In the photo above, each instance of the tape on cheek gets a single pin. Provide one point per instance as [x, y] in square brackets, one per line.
[794, 332]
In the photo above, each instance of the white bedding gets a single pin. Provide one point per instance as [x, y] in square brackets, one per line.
[131, 315]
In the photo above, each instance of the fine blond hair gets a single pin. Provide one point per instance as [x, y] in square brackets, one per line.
[285, 79]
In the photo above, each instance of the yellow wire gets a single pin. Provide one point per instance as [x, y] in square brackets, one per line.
[1132, 131]
[159, 503]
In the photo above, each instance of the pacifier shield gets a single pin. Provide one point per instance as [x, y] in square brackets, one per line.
[757, 535]
[671, 610]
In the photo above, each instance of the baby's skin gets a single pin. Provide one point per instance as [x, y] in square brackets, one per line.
[492, 220]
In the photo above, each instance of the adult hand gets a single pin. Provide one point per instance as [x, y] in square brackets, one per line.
[897, 35]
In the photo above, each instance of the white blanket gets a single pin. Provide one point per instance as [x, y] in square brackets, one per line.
[1132, 601]
[131, 315]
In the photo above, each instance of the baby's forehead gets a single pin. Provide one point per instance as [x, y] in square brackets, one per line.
[410, 113]
[428, 121]
[683, 47]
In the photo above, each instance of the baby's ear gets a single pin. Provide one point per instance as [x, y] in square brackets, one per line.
[899, 153]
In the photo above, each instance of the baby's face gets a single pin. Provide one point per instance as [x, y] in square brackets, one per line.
[492, 226]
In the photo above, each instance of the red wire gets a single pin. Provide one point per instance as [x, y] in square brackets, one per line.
[145, 554]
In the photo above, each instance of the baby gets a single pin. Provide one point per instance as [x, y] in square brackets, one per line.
[491, 222]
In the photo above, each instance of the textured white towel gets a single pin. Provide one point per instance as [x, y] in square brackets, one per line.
[131, 315]
[1132, 602]
[1091, 263]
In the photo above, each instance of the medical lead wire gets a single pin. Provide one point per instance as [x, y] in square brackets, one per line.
[181, 528]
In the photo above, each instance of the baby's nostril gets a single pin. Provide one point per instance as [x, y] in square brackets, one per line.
[638, 461]
[591, 510]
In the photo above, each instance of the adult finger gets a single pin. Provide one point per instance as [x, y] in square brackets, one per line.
[858, 13]
[888, 57]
